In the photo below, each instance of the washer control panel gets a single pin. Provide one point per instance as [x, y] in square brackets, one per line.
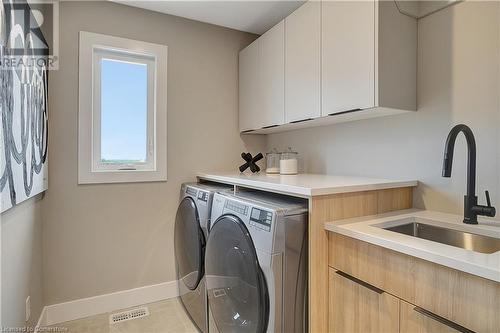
[261, 219]
[236, 207]
[191, 191]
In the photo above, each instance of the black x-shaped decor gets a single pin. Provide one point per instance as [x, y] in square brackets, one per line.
[251, 162]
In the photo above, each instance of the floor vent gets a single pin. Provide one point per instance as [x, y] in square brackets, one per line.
[128, 315]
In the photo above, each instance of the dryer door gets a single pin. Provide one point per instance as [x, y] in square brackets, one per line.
[236, 287]
[189, 244]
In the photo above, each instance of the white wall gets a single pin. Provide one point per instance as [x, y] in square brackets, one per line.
[458, 82]
[99, 239]
[21, 263]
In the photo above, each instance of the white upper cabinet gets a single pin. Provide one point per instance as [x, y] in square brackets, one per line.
[303, 63]
[369, 52]
[395, 58]
[348, 52]
[272, 76]
[249, 97]
[262, 81]
[330, 62]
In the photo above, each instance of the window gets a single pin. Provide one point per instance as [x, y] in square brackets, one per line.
[122, 110]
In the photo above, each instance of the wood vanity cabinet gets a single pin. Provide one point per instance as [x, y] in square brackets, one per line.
[358, 307]
[403, 293]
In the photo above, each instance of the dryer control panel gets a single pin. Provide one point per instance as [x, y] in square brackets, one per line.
[203, 196]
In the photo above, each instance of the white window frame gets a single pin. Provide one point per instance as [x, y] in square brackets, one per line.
[94, 48]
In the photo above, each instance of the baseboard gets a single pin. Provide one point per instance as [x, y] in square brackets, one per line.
[85, 307]
[42, 320]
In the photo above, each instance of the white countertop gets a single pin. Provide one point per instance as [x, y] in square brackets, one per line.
[305, 185]
[480, 264]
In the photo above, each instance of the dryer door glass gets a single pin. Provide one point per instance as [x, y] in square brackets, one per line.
[189, 244]
[236, 287]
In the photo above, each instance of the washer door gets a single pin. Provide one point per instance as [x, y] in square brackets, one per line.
[236, 287]
[189, 244]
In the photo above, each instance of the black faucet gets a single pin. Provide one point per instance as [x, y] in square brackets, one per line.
[471, 208]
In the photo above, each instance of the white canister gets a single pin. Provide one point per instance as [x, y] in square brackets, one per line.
[289, 163]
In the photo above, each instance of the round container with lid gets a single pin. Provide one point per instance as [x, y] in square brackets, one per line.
[273, 162]
[289, 162]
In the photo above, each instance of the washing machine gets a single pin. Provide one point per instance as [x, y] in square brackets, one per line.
[256, 263]
[191, 231]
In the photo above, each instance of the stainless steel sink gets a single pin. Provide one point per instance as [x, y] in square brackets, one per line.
[464, 240]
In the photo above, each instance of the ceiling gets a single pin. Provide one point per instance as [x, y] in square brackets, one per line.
[251, 16]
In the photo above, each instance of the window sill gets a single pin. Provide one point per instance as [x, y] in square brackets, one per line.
[124, 176]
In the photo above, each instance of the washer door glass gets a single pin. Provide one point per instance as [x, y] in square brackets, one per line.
[236, 287]
[189, 244]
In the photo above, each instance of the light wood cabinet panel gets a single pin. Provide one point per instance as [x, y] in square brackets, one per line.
[249, 85]
[272, 77]
[390, 200]
[412, 321]
[302, 63]
[348, 56]
[354, 307]
[330, 208]
[462, 298]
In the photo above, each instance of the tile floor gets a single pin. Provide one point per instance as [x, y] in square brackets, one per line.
[164, 317]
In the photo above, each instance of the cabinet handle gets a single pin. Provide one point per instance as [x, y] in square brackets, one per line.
[246, 131]
[300, 121]
[360, 282]
[442, 320]
[344, 112]
[270, 126]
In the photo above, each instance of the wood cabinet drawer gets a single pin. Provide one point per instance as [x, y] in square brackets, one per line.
[357, 307]
[465, 299]
[416, 320]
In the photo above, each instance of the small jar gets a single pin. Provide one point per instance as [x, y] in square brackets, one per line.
[273, 162]
[289, 163]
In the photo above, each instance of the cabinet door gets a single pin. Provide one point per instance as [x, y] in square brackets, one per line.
[272, 76]
[348, 56]
[355, 306]
[417, 320]
[249, 87]
[302, 63]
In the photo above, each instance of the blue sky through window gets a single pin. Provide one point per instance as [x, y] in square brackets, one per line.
[124, 88]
